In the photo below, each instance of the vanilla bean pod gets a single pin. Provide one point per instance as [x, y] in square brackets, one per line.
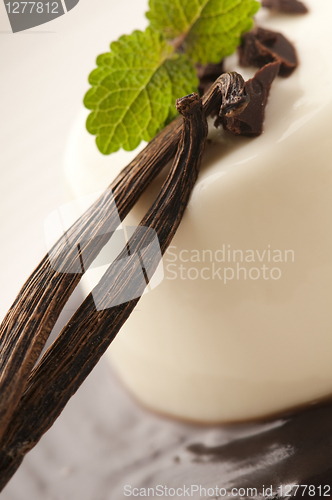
[27, 325]
[88, 334]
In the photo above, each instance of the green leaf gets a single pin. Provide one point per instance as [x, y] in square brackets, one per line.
[136, 84]
[209, 29]
[134, 88]
[174, 18]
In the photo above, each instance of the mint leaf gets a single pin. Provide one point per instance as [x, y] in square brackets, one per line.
[209, 29]
[216, 34]
[136, 84]
[131, 92]
[175, 18]
[134, 90]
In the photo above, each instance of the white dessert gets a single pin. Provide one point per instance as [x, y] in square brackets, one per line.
[211, 346]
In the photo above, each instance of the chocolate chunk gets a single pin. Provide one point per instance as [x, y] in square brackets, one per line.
[289, 6]
[261, 46]
[250, 121]
[207, 74]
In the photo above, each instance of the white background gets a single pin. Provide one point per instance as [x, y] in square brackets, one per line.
[44, 74]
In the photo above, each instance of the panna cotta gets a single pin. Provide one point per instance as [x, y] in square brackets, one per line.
[240, 326]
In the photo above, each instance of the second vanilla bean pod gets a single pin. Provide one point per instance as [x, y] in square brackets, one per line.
[26, 327]
[90, 331]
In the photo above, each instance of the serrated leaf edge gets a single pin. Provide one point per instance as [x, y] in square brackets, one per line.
[139, 92]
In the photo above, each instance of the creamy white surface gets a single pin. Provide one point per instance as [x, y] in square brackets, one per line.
[209, 351]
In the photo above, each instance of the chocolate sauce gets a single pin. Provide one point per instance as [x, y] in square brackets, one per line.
[298, 450]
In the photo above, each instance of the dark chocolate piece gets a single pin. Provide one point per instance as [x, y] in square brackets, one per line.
[250, 121]
[261, 46]
[288, 6]
[207, 74]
